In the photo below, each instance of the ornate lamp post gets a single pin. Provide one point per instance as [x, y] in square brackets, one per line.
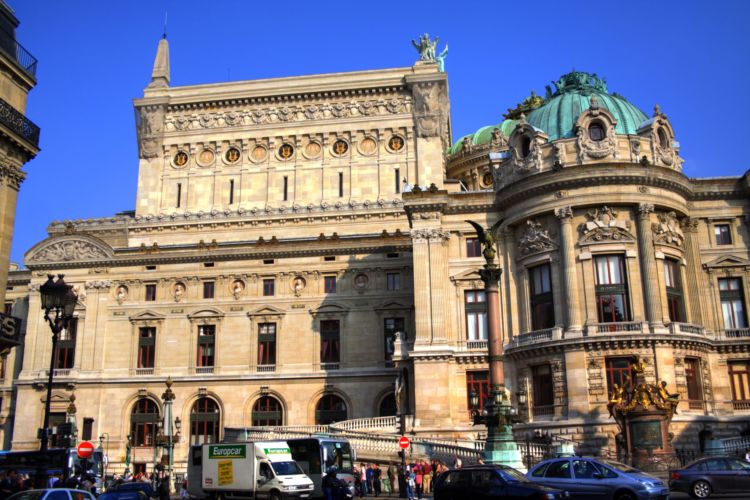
[169, 430]
[102, 437]
[498, 411]
[58, 297]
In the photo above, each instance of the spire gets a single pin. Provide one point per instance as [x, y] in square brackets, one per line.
[160, 74]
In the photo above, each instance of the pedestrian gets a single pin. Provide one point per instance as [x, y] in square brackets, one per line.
[330, 484]
[363, 477]
[393, 477]
[410, 484]
[457, 463]
[376, 473]
[368, 476]
[426, 476]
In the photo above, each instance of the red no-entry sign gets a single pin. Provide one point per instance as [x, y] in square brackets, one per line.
[404, 442]
[85, 449]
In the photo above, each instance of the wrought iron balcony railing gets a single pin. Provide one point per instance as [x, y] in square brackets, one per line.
[15, 51]
[18, 123]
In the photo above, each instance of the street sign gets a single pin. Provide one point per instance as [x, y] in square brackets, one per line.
[404, 442]
[10, 329]
[85, 449]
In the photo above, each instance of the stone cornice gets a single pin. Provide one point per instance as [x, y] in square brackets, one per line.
[247, 250]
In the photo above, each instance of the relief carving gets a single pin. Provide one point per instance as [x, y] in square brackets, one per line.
[667, 230]
[68, 250]
[535, 239]
[150, 124]
[604, 226]
[430, 108]
[431, 235]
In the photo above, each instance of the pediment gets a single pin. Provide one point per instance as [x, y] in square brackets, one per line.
[146, 316]
[727, 261]
[331, 308]
[69, 248]
[266, 311]
[467, 276]
[209, 312]
[393, 305]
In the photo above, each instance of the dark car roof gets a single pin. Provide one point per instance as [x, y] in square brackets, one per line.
[713, 457]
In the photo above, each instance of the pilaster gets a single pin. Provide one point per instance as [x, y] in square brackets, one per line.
[649, 280]
[695, 279]
[568, 263]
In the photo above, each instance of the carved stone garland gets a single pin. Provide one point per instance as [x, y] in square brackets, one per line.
[604, 226]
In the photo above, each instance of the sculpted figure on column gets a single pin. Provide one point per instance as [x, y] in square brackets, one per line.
[488, 241]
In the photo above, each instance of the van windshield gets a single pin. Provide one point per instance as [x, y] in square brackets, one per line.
[286, 468]
[337, 454]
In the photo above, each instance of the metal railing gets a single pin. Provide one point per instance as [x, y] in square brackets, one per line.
[542, 411]
[329, 366]
[18, 123]
[696, 404]
[682, 328]
[624, 326]
[742, 404]
[17, 52]
[144, 371]
[476, 344]
[204, 369]
[265, 368]
[736, 333]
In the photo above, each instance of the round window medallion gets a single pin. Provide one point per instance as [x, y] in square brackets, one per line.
[298, 284]
[286, 151]
[206, 157]
[340, 147]
[367, 146]
[180, 159]
[232, 155]
[313, 149]
[396, 143]
[258, 153]
[361, 280]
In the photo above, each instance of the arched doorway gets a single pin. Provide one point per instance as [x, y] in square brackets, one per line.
[387, 406]
[205, 419]
[330, 408]
[267, 410]
[144, 420]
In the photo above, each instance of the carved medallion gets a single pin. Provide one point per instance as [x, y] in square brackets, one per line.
[313, 150]
[603, 226]
[238, 286]
[180, 159]
[232, 155]
[360, 281]
[178, 291]
[286, 151]
[258, 154]
[121, 293]
[340, 147]
[298, 284]
[367, 146]
[487, 179]
[205, 158]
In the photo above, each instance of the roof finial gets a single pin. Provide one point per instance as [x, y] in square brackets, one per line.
[164, 33]
[657, 110]
[160, 73]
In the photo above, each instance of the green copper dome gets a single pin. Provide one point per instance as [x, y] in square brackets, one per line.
[557, 117]
[484, 135]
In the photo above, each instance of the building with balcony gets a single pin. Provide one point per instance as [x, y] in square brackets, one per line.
[299, 243]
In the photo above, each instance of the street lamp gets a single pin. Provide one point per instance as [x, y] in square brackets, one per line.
[59, 297]
[102, 437]
[169, 430]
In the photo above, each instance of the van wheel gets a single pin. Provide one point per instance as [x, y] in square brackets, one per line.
[625, 495]
[700, 489]
[275, 495]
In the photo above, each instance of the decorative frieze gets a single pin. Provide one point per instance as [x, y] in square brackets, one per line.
[603, 226]
[68, 250]
[431, 235]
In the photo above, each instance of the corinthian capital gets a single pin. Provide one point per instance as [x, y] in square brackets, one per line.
[564, 213]
[644, 209]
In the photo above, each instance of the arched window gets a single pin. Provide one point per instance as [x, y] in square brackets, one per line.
[204, 422]
[525, 146]
[596, 132]
[330, 409]
[388, 406]
[143, 422]
[663, 140]
[267, 411]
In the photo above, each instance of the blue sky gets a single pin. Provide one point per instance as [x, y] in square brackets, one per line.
[690, 57]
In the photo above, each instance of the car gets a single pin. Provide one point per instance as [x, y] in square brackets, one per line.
[123, 495]
[712, 475]
[593, 478]
[135, 486]
[52, 494]
[477, 482]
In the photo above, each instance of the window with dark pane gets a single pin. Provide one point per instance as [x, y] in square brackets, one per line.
[473, 247]
[208, 289]
[204, 421]
[267, 411]
[330, 344]
[478, 381]
[475, 305]
[673, 283]
[390, 327]
[732, 303]
[66, 345]
[611, 289]
[267, 344]
[542, 305]
[329, 284]
[206, 345]
[143, 422]
[150, 293]
[723, 234]
[146, 346]
[269, 287]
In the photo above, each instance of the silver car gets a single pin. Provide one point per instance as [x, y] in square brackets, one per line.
[598, 479]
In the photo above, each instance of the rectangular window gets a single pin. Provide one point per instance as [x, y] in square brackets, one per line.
[390, 327]
[542, 305]
[479, 382]
[329, 284]
[146, 346]
[723, 234]
[269, 287]
[739, 377]
[341, 184]
[179, 194]
[473, 247]
[208, 289]
[673, 285]
[150, 293]
[55, 419]
[543, 391]
[393, 281]
[330, 343]
[231, 191]
[397, 175]
[88, 427]
[8, 308]
[475, 304]
[620, 372]
[66, 345]
[611, 289]
[206, 343]
[693, 380]
[267, 344]
[286, 188]
[732, 303]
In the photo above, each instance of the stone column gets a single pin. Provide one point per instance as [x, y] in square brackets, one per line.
[438, 241]
[649, 278]
[568, 263]
[694, 273]
[422, 303]
[490, 277]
